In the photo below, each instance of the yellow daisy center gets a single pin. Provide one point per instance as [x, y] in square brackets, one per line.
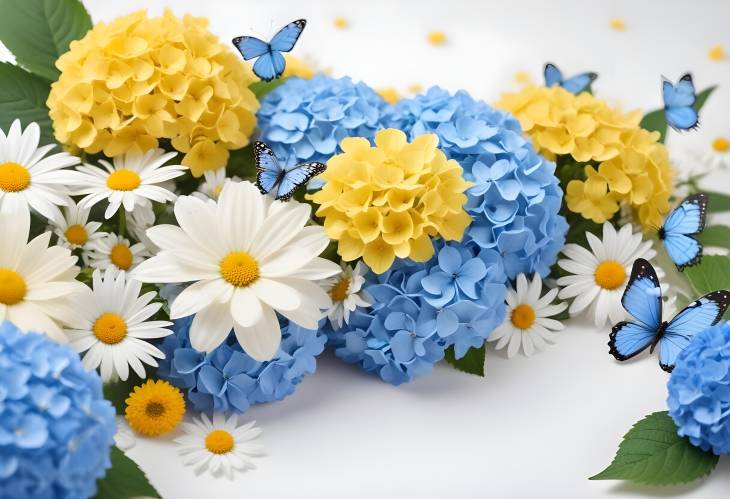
[121, 256]
[339, 290]
[12, 287]
[154, 408]
[123, 180]
[110, 328]
[13, 177]
[219, 442]
[523, 316]
[239, 268]
[76, 234]
[721, 144]
[610, 274]
[217, 191]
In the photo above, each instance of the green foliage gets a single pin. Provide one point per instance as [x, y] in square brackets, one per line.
[261, 88]
[717, 201]
[472, 362]
[711, 274]
[37, 32]
[118, 391]
[652, 453]
[657, 121]
[715, 235]
[124, 480]
[23, 96]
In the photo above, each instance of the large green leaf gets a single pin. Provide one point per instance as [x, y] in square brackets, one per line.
[472, 362]
[37, 32]
[652, 453]
[717, 202]
[118, 391]
[657, 121]
[711, 274]
[23, 96]
[715, 235]
[124, 480]
[261, 88]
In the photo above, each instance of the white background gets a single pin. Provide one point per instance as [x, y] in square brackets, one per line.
[531, 427]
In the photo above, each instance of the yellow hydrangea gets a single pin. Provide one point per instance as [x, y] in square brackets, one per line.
[389, 200]
[627, 165]
[297, 67]
[135, 80]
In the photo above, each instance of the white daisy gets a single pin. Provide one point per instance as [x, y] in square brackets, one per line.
[213, 184]
[138, 221]
[220, 446]
[716, 156]
[124, 438]
[599, 277]
[74, 229]
[347, 294]
[36, 282]
[30, 179]
[249, 257]
[117, 251]
[130, 182]
[527, 322]
[112, 325]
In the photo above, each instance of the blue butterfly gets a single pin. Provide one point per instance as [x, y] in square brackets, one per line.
[576, 84]
[281, 182]
[679, 101]
[686, 220]
[270, 63]
[643, 300]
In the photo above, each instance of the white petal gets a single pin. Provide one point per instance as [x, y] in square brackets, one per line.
[261, 341]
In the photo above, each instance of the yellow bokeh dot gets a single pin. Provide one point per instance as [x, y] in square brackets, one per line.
[617, 24]
[716, 53]
[436, 38]
[415, 88]
[340, 22]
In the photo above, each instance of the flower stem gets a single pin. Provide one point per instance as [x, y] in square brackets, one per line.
[122, 221]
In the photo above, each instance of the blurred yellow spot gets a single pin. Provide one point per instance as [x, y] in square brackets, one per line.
[415, 88]
[341, 23]
[436, 38]
[617, 24]
[523, 78]
[716, 53]
[389, 94]
[721, 144]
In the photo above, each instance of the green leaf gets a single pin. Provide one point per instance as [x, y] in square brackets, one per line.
[472, 362]
[118, 391]
[23, 96]
[655, 121]
[717, 202]
[652, 453]
[124, 480]
[711, 274]
[715, 235]
[37, 32]
[261, 88]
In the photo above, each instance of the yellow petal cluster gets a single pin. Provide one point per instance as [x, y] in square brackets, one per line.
[297, 67]
[626, 165]
[136, 80]
[389, 200]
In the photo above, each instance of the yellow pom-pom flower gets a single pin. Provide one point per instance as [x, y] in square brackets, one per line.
[626, 165]
[135, 80]
[389, 200]
[154, 408]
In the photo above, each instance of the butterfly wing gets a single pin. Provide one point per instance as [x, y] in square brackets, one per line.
[643, 296]
[687, 219]
[268, 170]
[553, 76]
[579, 83]
[297, 176]
[628, 339]
[251, 47]
[678, 102]
[269, 66]
[698, 316]
[287, 37]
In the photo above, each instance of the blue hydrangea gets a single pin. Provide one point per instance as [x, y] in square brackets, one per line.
[516, 199]
[227, 379]
[420, 309]
[305, 120]
[699, 390]
[56, 430]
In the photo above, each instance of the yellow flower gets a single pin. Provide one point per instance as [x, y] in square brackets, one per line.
[155, 407]
[716, 53]
[389, 200]
[627, 164]
[436, 38]
[340, 22]
[297, 67]
[135, 80]
[389, 94]
[617, 24]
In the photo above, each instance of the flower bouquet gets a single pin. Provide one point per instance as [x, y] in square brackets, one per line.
[187, 224]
